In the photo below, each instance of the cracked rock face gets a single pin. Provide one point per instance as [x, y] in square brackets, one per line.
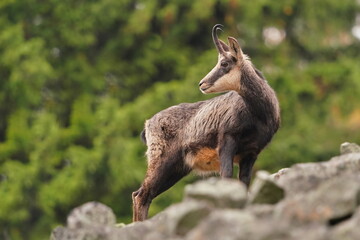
[313, 201]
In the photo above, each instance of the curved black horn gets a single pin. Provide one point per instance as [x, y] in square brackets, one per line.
[215, 38]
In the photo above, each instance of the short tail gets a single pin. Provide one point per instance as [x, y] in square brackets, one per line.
[142, 136]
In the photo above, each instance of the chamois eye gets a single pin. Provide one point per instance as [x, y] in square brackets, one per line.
[224, 64]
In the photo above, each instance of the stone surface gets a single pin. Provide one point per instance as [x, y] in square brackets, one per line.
[333, 200]
[229, 193]
[265, 190]
[321, 202]
[346, 148]
[181, 218]
[307, 176]
[91, 221]
[134, 231]
[58, 233]
[261, 210]
[280, 173]
[229, 225]
[239, 225]
[348, 229]
[90, 214]
[309, 232]
[88, 233]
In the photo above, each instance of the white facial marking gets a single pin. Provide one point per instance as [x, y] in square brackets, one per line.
[228, 82]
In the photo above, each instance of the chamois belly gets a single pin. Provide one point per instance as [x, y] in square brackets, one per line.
[206, 160]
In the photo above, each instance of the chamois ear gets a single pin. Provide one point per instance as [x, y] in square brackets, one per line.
[235, 48]
[224, 46]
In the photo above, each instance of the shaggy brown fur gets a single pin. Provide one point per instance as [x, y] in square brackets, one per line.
[212, 135]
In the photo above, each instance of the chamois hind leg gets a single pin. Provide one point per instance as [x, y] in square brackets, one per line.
[159, 177]
[246, 165]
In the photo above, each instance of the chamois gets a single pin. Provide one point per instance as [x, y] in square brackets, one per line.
[210, 136]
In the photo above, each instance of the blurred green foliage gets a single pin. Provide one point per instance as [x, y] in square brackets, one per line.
[78, 79]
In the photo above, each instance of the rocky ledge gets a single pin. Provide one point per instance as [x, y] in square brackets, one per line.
[313, 201]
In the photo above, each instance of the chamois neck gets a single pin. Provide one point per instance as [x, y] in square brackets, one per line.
[257, 94]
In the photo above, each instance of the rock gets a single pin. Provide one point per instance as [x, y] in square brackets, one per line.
[307, 176]
[332, 201]
[173, 222]
[346, 148]
[265, 190]
[95, 233]
[238, 225]
[261, 210]
[134, 231]
[280, 173]
[223, 193]
[229, 225]
[244, 225]
[120, 225]
[309, 232]
[348, 230]
[59, 233]
[158, 236]
[321, 202]
[90, 221]
[181, 218]
[91, 214]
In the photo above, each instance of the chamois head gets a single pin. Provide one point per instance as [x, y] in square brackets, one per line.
[225, 76]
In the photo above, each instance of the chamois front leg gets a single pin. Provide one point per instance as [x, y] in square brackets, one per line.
[246, 165]
[226, 154]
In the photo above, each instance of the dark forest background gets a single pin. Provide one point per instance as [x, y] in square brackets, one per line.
[78, 79]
